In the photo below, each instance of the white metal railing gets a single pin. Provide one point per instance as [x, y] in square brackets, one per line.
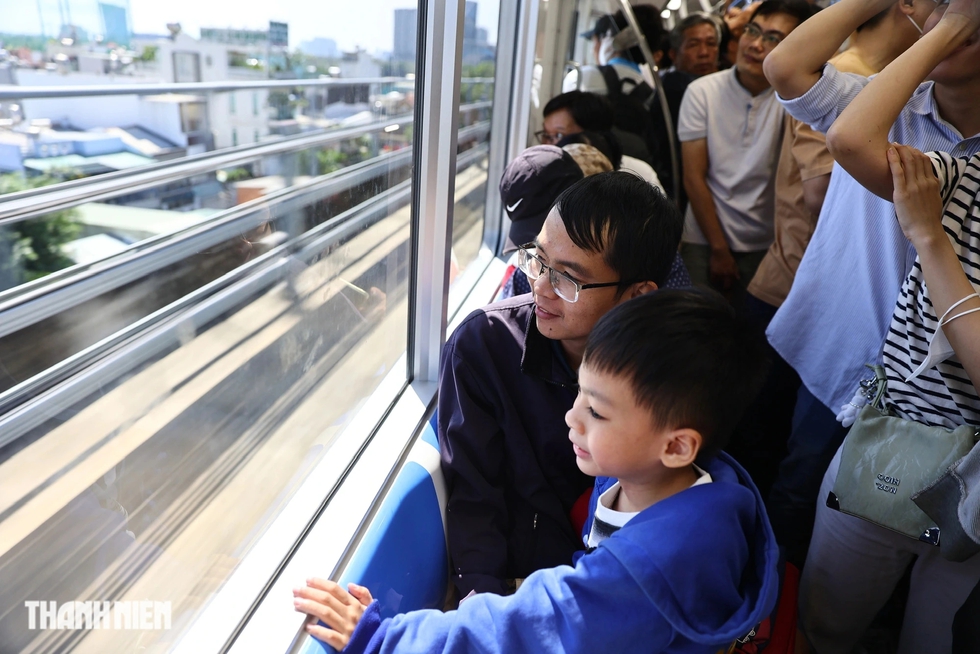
[14, 92]
[89, 282]
[15, 207]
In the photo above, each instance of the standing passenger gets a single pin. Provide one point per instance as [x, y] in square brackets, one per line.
[840, 306]
[694, 43]
[802, 178]
[730, 130]
[620, 76]
[853, 564]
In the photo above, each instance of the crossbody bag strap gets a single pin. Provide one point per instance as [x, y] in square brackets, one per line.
[873, 389]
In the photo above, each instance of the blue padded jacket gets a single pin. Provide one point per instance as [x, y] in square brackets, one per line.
[690, 574]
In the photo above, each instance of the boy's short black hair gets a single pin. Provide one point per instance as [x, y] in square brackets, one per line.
[801, 10]
[690, 360]
[635, 227]
[590, 111]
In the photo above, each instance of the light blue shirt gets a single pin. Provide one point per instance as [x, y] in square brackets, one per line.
[837, 313]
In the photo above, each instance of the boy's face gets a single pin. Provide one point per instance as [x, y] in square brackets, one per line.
[558, 319]
[612, 435]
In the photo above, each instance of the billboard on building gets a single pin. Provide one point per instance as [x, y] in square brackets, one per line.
[278, 34]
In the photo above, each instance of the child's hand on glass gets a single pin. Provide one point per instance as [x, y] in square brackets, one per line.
[918, 204]
[339, 609]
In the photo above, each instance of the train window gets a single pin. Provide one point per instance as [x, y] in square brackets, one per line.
[188, 331]
[480, 22]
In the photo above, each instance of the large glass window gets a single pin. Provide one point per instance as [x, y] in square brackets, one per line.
[178, 354]
[480, 22]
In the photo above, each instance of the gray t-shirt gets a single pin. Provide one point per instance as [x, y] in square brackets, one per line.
[743, 133]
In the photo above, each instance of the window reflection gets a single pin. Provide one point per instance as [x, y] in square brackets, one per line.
[480, 23]
[274, 290]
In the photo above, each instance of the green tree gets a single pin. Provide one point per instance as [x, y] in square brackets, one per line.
[149, 53]
[331, 160]
[33, 248]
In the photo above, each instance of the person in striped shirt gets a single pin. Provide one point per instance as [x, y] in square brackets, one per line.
[853, 565]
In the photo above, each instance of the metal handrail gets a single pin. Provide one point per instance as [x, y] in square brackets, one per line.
[26, 405]
[14, 92]
[15, 207]
[27, 304]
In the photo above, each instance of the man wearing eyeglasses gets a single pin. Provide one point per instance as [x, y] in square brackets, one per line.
[509, 375]
[730, 130]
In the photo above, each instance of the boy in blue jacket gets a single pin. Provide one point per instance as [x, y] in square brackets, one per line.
[680, 557]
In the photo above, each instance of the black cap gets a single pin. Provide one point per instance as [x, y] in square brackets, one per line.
[529, 187]
[603, 25]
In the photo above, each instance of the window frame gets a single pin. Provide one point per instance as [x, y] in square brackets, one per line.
[385, 428]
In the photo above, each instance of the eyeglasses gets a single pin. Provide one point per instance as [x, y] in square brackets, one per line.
[565, 287]
[769, 39]
[547, 138]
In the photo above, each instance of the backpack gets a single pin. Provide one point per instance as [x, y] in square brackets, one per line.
[632, 121]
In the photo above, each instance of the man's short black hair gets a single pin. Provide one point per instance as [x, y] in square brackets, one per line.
[798, 9]
[689, 358]
[693, 20]
[590, 111]
[631, 223]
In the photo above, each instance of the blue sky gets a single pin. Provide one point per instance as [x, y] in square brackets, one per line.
[365, 23]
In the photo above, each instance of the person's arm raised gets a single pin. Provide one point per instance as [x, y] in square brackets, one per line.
[919, 209]
[858, 139]
[794, 66]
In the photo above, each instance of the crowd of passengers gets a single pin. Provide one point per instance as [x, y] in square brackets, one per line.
[663, 436]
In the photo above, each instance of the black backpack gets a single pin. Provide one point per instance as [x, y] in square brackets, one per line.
[632, 121]
[639, 120]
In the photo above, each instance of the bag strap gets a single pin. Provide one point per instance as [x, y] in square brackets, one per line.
[613, 86]
[643, 94]
[874, 388]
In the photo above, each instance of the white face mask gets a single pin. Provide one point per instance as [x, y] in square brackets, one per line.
[606, 51]
[939, 347]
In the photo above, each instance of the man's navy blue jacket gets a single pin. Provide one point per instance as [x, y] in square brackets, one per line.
[504, 390]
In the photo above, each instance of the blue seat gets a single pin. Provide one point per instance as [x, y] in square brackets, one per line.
[402, 558]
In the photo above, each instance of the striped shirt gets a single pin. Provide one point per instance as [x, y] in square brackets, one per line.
[942, 395]
[840, 306]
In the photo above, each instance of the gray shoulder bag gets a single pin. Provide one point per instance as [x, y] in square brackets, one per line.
[886, 461]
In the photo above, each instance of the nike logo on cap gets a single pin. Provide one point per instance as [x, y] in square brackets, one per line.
[511, 208]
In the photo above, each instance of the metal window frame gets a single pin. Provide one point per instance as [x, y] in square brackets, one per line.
[437, 118]
[393, 415]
